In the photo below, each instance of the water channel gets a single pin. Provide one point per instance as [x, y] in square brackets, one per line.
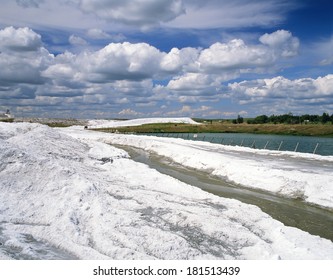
[291, 212]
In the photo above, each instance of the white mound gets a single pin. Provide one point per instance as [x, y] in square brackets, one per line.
[136, 122]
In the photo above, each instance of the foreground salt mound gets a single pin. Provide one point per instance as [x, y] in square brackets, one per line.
[91, 201]
[7, 131]
[136, 122]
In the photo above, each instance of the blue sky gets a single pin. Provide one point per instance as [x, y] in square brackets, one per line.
[171, 58]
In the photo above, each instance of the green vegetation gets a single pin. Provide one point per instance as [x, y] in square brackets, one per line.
[58, 124]
[291, 119]
[9, 120]
[238, 120]
[213, 126]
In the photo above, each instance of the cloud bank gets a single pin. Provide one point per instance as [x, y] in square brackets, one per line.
[126, 77]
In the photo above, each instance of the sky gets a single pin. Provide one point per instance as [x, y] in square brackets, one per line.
[165, 58]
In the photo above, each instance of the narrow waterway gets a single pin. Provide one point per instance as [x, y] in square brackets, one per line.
[291, 212]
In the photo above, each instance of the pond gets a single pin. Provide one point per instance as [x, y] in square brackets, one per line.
[302, 144]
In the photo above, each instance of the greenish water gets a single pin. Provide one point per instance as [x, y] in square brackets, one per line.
[291, 212]
[303, 144]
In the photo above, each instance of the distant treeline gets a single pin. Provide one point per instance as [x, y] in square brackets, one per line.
[288, 119]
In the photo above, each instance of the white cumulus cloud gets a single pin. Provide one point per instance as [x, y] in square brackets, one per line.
[121, 61]
[21, 39]
[283, 94]
[282, 41]
[234, 55]
[22, 57]
[180, 59]
[195, 84]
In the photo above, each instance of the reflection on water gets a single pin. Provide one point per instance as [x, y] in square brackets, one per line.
[291, 212]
